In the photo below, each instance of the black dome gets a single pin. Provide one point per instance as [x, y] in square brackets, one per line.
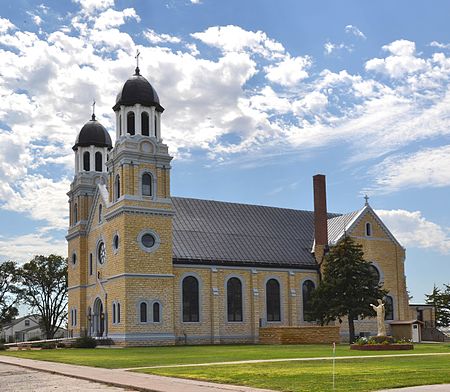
[93, 134]
[137, 89]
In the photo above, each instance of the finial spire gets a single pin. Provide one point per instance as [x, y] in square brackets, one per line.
[137, 70]
[366, 198]
[93, 109]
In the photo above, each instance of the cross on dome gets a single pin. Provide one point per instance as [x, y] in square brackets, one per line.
[137, 70]
[93, 109]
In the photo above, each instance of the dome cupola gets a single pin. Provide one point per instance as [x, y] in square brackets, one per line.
[93, 134]
[138, 90]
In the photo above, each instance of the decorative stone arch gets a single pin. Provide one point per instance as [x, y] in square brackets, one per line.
[200, 296]
[154, 183]
[225, 296]
[277, 278]
[99, 318]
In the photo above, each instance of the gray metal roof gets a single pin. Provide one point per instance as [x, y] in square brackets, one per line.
[338, 224]
[214, 232]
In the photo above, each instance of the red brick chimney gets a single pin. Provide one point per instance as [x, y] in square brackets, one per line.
[320, 210]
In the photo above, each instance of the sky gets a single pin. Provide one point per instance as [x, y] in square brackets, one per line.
[259, 96]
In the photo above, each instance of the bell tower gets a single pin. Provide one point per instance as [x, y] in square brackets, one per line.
[91, 153]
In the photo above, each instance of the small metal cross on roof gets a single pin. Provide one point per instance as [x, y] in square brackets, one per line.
[366, 198]
[93, 109]
[137, 57]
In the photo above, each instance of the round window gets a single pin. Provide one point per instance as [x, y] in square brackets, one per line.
[116, 242]
[101, 253]
[148, 240]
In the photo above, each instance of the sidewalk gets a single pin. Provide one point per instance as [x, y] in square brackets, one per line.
[123, 379]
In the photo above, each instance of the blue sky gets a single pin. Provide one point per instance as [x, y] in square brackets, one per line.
[259, 96]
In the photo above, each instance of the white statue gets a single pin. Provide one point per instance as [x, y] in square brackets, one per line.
[380, 317]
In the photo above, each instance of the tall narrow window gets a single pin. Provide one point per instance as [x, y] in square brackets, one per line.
[114, 313]
[368, 229]
[307, 290]
[143, 312]
[273, 300]
[130, 123]
[86, 161]
[146, 184]
[75, 213]
[375, 274]
[117, 187]
[234, 299]
[98, 161]
[389, 308]
[100, 213]
[145, 124]
[190, 300]
[156, 312]
[90, 264]
[118, 312]
[156, 126]
[120, 125]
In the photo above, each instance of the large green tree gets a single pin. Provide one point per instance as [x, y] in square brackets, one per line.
[440, 298]
[44, 281]
[347, 288]
[9, 292]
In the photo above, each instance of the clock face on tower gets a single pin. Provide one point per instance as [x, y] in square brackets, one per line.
[101, 253]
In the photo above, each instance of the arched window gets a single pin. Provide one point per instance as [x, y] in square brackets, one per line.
[156, 312]
[156, 125]
[114, 313]
[100, 213]
[117, 187]
[368, 229]
[143, 312]
[146, 184]
[307, 290]
[86, 161]
[120, 125]
[190, 300]
[273, 301]
[98, 161]
[145, 124]
[75, 213]
[130, 123]
[389, 308]
[375, 274]
[118, 312]
[234, 299]
[90, 264]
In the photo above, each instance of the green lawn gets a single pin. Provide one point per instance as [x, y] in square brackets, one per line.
[154, 356]
[351, 374]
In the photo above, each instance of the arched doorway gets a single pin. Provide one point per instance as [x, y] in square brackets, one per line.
[98, 318]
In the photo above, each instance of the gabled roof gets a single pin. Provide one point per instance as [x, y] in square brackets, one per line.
[35, 318]
[214, 232]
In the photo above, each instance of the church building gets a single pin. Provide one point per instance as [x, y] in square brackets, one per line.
[147, 268]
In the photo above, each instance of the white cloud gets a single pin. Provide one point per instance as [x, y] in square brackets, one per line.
[350, 29]
[401, 61]
[413, 230]
[5, 25]
[289, 71]
[331, 48]
[113, 18]
[155, 38]
[439, 45]
[235, 39]
[23, 248]
[90, 6]
[426, 168]
[196, 2]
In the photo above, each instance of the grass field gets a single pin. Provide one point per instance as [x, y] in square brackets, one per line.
[351, 374]
[363, 374]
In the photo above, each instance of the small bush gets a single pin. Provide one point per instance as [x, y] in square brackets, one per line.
[3, 347]
[85, 342]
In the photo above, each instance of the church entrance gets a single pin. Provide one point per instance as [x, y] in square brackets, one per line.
[98, 318]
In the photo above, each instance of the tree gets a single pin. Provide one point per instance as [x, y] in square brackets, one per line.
[347, 288]
[44, 280]
[9, 292]
[441, 300]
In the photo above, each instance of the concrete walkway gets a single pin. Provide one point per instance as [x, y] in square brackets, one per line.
[123, 379]
[423, 388]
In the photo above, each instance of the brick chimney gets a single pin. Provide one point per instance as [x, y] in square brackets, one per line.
[320, 211]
